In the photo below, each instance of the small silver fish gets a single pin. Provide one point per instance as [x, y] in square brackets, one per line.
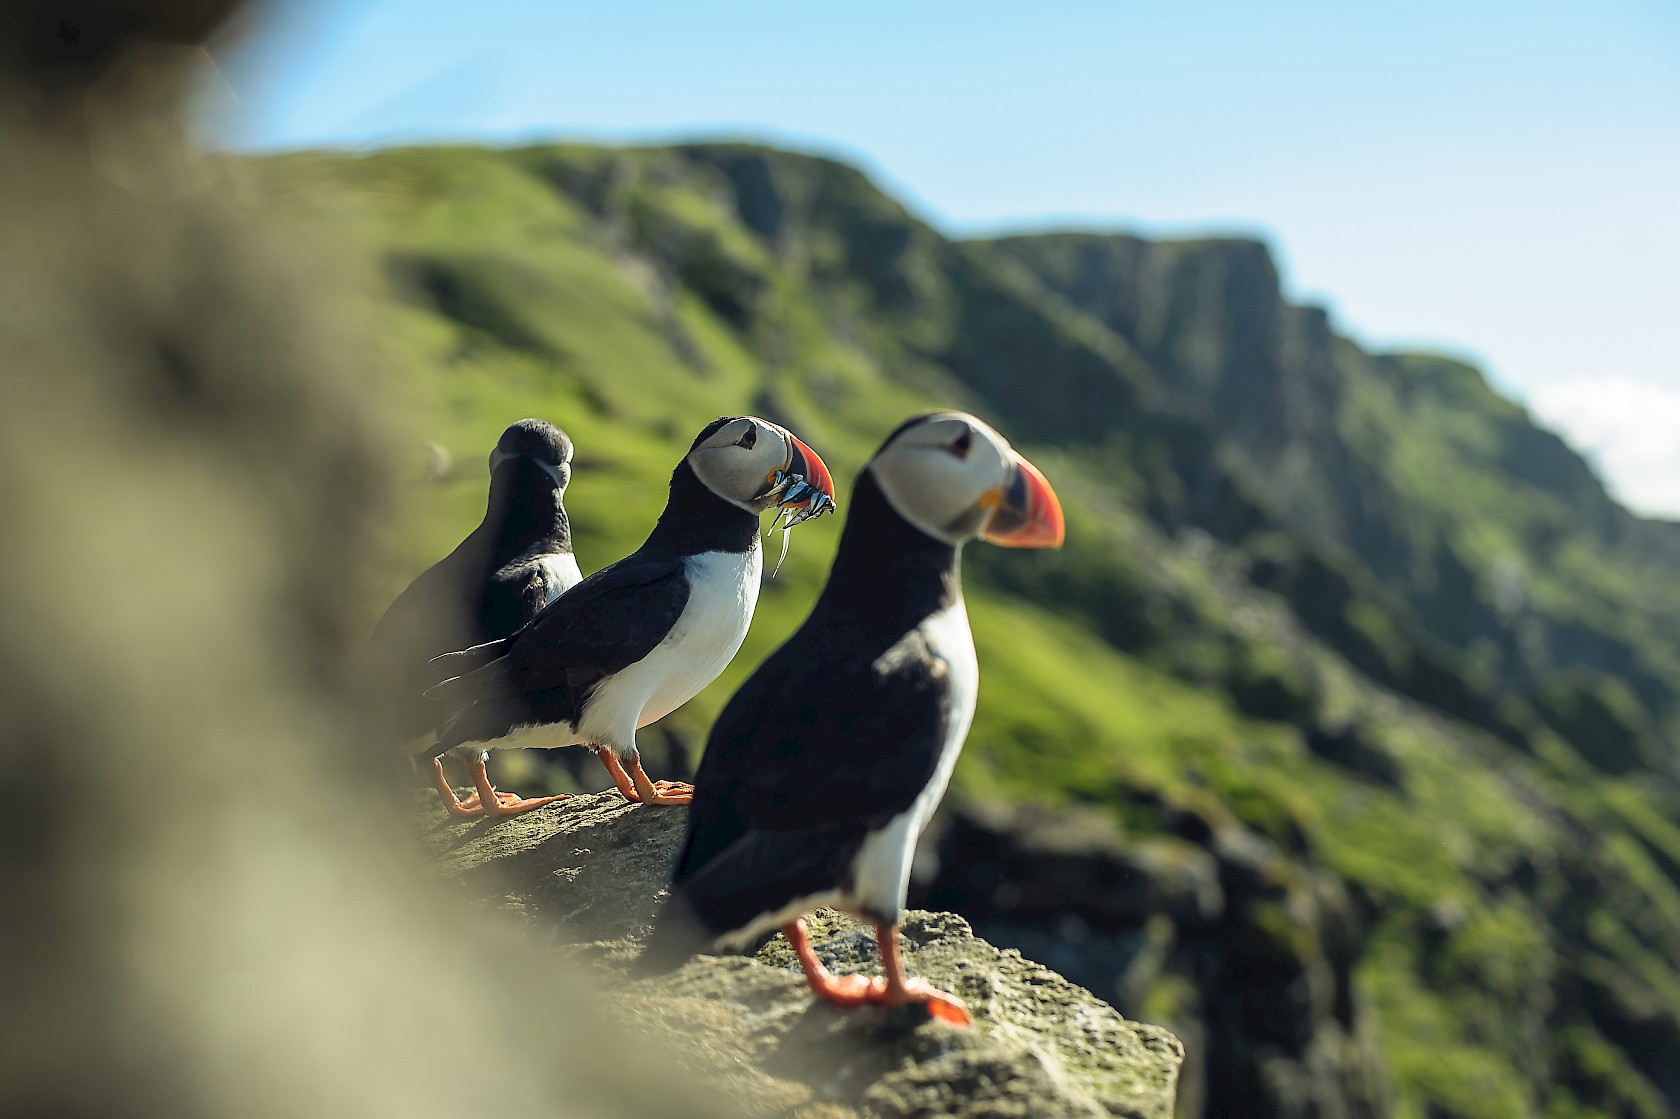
[787, 535]
[792, 490]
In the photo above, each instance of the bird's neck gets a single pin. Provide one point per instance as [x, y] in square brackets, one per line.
[888, 569]
[696, 520]
[526, 510]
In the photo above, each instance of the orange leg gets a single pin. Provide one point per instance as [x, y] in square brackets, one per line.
[492, 803]
[620, 778]
[504, 804]
[902, 990]
[896, 989]
[637, 787]
[659, 792]
[441, 784]
[467, 805]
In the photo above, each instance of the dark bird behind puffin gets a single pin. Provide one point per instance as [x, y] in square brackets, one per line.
[514, 563]
[641, 637]
[828, 762]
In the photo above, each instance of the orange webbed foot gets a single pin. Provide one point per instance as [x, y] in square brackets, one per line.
[940, 1004]
[667, 792]
[896, 989]
[856, 990]
[518, 806]
[849, 990]
[471, 799]
[638, 788]
[493, 803]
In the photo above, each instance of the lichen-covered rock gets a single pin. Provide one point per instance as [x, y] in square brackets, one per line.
[589, 875]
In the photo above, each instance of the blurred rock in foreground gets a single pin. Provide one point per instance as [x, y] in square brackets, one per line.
[209, 908]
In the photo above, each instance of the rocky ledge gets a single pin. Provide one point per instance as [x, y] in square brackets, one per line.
[588, 875]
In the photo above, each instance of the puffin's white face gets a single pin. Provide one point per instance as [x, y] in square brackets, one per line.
[955, 478]
[741, 460]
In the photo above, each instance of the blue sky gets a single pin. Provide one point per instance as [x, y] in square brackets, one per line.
[1493, 179]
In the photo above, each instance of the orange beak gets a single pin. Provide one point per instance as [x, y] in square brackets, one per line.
[1027, 514]
[807, 464]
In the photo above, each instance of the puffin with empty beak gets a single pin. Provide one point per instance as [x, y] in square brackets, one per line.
[641, 637]
[829, 761]
[518, 560]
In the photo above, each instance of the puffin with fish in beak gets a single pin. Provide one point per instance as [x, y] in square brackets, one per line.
[641, 637]
[518, 560]
[826, 765]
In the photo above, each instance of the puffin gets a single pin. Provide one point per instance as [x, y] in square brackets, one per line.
[642, 636]
[826, 765]
[518, 560]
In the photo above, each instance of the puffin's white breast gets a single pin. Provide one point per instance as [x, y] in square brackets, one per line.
[560, 574]
[881, 870]
[557, 572]
[723, 590]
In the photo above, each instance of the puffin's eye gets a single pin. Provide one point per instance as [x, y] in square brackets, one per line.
[961, 444]
[749, 437]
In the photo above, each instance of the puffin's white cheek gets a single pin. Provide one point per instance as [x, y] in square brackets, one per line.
[768, 457]
[934, 490]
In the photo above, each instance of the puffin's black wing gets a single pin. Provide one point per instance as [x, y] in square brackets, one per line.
[512, 597]
[814, 742]
[819, 747]
[430, 609]
[432, 615]
[609, 621]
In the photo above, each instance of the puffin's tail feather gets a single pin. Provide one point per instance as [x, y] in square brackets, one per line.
[739, 891]
[472, 674]
[677, 935]
[462, 661]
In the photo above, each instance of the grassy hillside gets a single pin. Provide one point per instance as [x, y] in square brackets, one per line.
[1345, 628]
[1497, 538]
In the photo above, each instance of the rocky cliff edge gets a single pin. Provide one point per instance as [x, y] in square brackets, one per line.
[588, 875]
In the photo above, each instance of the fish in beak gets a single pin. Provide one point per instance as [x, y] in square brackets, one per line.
[803, 488]
[1025, 512]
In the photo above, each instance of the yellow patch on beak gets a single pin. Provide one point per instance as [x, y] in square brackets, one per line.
[992, 498]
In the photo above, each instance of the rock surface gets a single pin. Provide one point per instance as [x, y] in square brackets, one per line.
[588, 875]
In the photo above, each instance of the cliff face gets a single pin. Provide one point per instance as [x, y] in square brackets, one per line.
[587, 876]
[1446, 492]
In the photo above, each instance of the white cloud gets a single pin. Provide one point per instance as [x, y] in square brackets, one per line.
[1630, 430]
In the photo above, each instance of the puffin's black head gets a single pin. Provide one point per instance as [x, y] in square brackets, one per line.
[538, 442]
[954, 478]
[743, 460]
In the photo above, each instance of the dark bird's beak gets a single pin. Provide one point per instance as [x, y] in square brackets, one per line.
[552, 471]
[805, 463]
[497, 457]
[1025, 512]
